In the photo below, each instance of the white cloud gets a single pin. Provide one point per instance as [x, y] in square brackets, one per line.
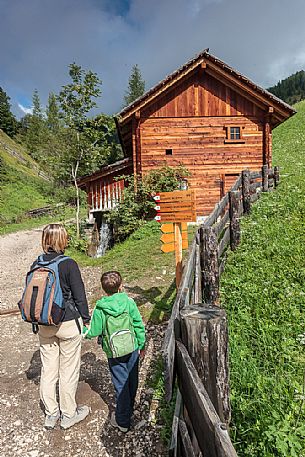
[24, 109]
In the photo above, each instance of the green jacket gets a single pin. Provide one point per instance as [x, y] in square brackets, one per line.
[115, 305]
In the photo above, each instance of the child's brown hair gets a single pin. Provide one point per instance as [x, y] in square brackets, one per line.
[111, 282]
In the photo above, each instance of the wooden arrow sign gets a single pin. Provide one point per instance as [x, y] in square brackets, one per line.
[168, 227]
[170, 237]
[177, 206]
[170, 247]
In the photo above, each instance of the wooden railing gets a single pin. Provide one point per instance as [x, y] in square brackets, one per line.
[195, 347]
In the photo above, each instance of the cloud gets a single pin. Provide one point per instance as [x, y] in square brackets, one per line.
[265, 40]
[24, 109]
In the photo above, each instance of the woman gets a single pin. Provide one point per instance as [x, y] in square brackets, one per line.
[60, 346]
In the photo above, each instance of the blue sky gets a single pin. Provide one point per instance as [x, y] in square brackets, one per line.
[264, 39]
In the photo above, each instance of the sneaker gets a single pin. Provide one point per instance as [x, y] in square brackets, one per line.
[50, 421]
[114, 423]
[80, 414]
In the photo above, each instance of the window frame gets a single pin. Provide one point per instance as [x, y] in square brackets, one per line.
[228, 138]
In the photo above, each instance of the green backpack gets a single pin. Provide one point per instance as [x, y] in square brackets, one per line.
[119, 333]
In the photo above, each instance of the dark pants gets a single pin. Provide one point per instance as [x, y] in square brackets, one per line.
[125, 376]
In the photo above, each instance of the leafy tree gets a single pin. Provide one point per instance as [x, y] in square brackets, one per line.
[106, 137]
[76, 100]
[8, 122]
[136, 86]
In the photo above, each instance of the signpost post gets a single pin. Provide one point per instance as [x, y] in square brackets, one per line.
[178, 208]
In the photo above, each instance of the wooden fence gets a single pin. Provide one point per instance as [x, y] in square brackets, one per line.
[195, 347]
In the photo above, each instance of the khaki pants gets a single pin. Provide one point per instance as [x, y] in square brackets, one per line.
[60, 351]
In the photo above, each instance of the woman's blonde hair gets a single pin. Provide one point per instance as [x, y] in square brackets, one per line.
[54, 237]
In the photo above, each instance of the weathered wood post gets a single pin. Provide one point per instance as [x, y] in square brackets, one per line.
[234, 219]
[276, 176]
[209, 262]
[178, 252]
[205, 335]
[265, 172]
[246, 191]
[197, 274]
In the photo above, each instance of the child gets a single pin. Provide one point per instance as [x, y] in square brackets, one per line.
[117, 320]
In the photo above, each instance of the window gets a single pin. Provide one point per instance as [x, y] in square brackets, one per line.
[168, 152]
[234, 134]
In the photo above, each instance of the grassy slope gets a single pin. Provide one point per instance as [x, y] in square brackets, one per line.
[263, 292]
[21, 189]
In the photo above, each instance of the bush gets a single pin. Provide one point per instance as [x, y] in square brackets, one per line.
[81, 243]
[137, 204]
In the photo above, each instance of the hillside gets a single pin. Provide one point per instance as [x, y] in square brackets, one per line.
[291, 89]
[263, 293]
[22, 185]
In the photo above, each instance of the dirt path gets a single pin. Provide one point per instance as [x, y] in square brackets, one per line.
[17, 252]
[21, 416]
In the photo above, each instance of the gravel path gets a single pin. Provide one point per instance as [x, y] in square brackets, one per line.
[21, 416]
[17, 252]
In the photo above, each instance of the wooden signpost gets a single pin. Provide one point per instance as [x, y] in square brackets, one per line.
[177, 208]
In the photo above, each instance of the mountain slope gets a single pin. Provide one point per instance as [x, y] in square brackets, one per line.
[22, 186]
[263, 293]
[291, 89]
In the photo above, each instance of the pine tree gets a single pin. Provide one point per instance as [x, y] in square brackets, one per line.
[8, 121]
[136, 86]
[36, 129]
[291, 89]
[52, 113]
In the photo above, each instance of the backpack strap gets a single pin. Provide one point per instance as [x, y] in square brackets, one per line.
[60, 258]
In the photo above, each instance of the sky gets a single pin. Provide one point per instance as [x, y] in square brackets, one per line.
[263, 39]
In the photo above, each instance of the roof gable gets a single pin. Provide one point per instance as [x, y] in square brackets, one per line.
[223, 73]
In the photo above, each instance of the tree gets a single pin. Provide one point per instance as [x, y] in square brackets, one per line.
[76, 100]
[34, 136]
[136, 86]
[52, 114]
[8, 122]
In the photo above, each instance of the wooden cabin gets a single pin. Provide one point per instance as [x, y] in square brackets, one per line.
[104, 188]
[206, 116]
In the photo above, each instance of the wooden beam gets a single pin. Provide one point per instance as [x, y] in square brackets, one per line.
[246, 191]
[201, 411]
[178, 252]
[209, 262]
[266, 141]
[234, 219]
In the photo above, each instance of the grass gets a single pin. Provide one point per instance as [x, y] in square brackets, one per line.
[21, 189]
[147, 271]
[263, 293]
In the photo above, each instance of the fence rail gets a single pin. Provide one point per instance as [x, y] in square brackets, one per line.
[195, 347]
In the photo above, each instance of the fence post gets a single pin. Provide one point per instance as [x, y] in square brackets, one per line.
[265, 172]
[246, 191]
[210, 270]
[205, 335]
[234, 220]
[276, 176]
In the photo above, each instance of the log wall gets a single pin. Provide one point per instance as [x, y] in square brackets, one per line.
[199, 143]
